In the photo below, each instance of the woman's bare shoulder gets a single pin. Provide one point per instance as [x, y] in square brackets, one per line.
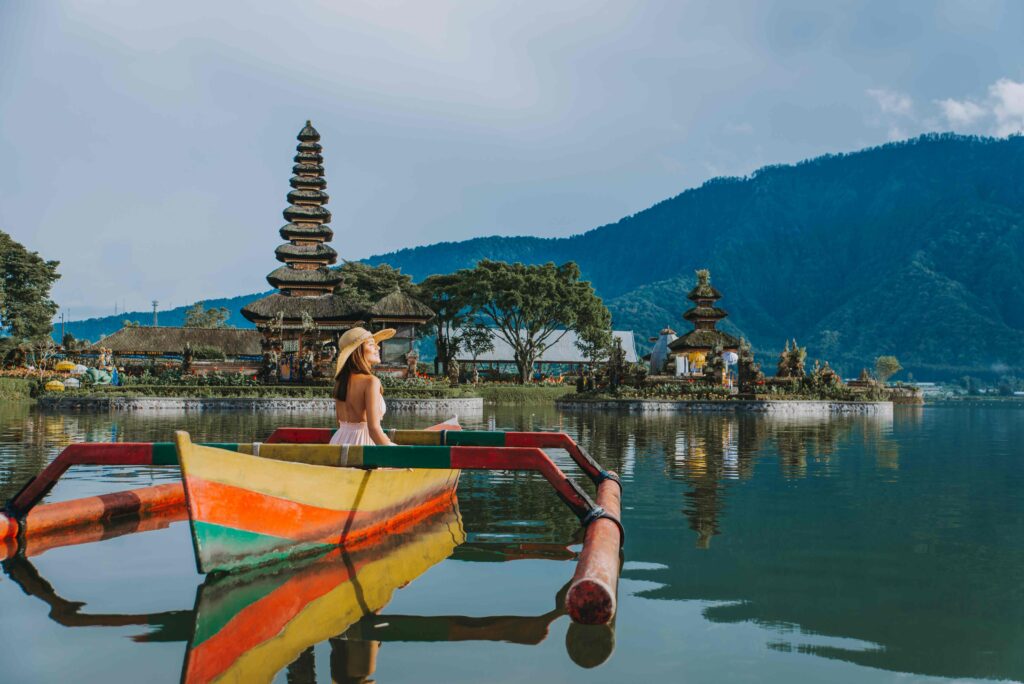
[366, 381]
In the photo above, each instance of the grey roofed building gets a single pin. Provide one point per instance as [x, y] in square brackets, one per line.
[562, 351]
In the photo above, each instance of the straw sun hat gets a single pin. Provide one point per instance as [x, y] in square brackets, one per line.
[354, 337]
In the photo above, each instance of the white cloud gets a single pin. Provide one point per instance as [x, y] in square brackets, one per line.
[1003, 110]
[999, 114]
[960, 113]
[892, 102]
[1008, 106]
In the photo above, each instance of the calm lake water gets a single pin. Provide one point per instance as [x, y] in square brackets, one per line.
[757, 549]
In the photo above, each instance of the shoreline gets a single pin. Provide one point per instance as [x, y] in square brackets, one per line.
[776, 406]
[461, 405]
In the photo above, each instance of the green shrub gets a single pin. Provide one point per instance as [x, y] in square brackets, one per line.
[173, 377]
[18, 389]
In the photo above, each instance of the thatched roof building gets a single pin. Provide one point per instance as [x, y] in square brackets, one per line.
[399, 307]
[166, 341]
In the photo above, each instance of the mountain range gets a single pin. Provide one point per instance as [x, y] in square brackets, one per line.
[914, 249]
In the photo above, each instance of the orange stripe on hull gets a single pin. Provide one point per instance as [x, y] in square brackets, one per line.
[241, 509]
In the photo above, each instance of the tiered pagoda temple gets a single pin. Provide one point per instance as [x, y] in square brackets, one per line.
[303, 320]
[691, 350]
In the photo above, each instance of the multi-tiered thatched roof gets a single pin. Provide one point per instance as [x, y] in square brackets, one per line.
[305, 283]
[705, 316]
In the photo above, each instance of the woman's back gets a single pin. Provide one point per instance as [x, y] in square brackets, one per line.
[359, 400]
[361, 388]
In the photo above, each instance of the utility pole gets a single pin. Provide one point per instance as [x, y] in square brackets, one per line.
[62, 327]
[155, 303]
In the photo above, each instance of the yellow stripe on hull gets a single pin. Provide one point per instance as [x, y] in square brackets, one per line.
[247, 509]
[323, 486]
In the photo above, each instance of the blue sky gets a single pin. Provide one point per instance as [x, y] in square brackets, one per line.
[148, 146]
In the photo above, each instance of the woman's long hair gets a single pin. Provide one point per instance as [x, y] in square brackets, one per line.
[355, 364]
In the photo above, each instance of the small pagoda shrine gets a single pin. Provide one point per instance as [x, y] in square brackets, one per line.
[692, 349]
[301, 321]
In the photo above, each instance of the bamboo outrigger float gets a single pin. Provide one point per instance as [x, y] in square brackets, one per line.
[295, 494]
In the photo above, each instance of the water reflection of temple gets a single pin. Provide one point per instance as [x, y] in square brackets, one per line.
[706, 453]
[712, 452]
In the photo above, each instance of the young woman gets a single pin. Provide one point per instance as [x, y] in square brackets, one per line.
[358, 395]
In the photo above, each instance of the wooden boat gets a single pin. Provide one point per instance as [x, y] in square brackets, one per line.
[250, 625]
[253, 503]
[282, 500]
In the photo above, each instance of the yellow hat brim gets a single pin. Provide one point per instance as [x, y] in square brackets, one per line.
[346, 351]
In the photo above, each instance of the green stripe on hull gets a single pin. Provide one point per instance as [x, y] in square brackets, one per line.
[407, 456]
[225, 548]
[165, 453]
[475, 438]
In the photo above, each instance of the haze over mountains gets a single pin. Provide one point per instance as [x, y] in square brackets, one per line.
[914, 249]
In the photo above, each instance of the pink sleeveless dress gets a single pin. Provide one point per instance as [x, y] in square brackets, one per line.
[356, 433]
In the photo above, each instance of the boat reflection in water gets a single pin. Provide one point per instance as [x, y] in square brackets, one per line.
[248, 627]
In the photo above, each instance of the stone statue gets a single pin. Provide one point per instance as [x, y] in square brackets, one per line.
[453, 373]
[186, 359]
[412, 360]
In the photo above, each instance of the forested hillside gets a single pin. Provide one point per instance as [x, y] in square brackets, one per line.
[914, 249]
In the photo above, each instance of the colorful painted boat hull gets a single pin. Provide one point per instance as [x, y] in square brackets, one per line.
[250, 625]
[248, 509]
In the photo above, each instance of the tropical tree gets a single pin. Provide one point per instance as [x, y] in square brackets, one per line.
[197, 316]
[26, 310]
[596, 344]
[364, 285]
[477, 340]
[886, 367]
[447, 297]
[532, 307]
